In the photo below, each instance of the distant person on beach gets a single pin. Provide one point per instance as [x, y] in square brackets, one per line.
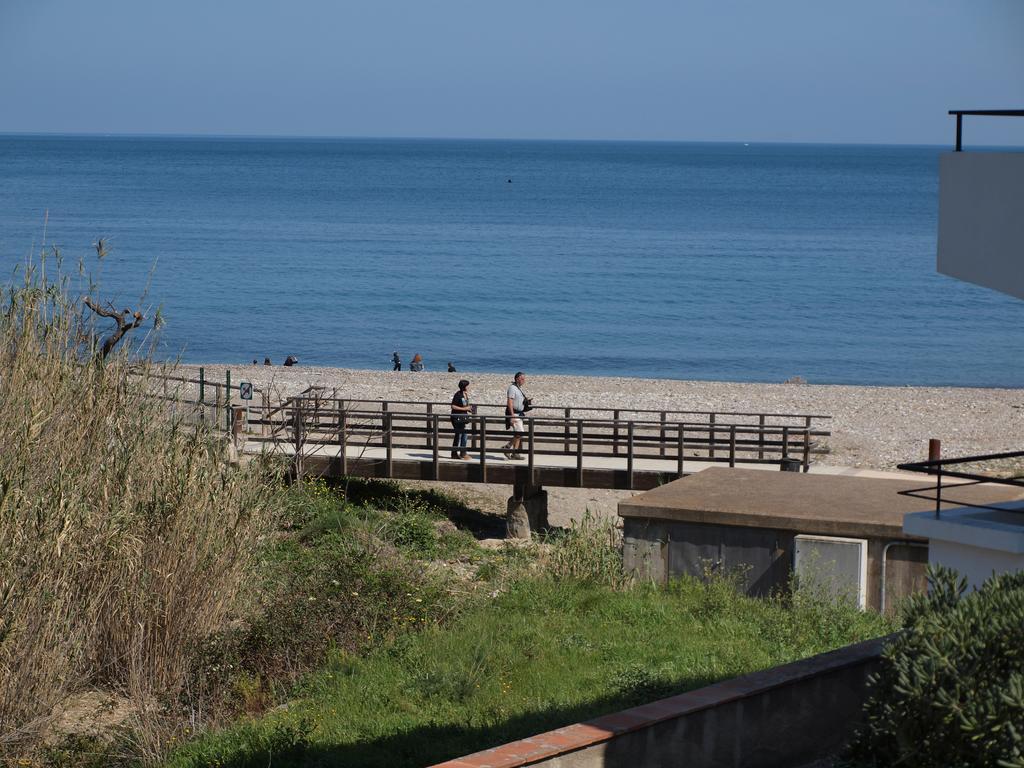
[266, 361]
[291, 360]
[451, 368]
[516, 406]
[416, 364]
[255, 361]
[461, 409]
[396, 361]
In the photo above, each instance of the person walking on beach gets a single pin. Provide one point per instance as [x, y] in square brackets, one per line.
[451, 368]
[417, 363]
[516, 405]
[461, 409]
[397, 361]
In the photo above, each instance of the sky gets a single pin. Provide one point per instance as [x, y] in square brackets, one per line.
[869, 71]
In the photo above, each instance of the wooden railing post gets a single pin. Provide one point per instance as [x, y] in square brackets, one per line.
[568, 415]
[298, 435]
[388, 442]
[760, 438]
[437, 468]
[264, 426]
[579, 453]
[662, 434]
[807, 450]
[732, 445]
[711, 436]
[343, 440]
[615, 448]
[680, 449]
[483, 449]
[529, 453]
[785, 442]
[629, 456]
[430, 420]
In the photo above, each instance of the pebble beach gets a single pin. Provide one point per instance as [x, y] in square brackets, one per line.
[872, 427]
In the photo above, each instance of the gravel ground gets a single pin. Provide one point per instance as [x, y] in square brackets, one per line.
[872, 427]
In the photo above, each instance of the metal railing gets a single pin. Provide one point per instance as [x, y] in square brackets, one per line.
[981, 113]
[939, 468]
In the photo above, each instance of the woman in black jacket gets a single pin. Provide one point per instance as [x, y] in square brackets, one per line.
[461, 409]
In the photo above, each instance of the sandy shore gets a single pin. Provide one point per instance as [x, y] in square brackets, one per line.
[872, 427]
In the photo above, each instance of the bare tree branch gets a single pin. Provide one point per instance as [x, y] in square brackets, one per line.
[126, 320]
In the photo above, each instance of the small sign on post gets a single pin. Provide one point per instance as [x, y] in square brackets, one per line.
[245, 390]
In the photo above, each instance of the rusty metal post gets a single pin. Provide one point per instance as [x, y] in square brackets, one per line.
[934, 444]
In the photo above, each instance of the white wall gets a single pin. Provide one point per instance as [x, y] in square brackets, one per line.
[975, 542]
[981, 219]
[974, 563]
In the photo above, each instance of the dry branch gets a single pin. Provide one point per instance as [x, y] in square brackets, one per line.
[126, 320]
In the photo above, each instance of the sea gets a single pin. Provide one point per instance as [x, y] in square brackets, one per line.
[713, 261]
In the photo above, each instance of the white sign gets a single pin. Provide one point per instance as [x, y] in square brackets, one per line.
[245, 390]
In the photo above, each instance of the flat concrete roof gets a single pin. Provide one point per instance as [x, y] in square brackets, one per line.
[829, 505]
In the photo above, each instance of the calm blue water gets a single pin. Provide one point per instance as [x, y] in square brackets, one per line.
[705, 261]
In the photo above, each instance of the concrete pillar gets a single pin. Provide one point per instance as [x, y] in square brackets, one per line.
[527, 511]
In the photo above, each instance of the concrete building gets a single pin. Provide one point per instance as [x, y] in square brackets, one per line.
[845, 533]
[981, 240]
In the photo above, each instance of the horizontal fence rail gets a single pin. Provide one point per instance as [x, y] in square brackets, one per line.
[346, 431]
[312, 425]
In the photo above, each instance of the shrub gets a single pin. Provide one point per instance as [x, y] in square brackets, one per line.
[125, 533]
[950, 691]
[336, 585]
[590, 551]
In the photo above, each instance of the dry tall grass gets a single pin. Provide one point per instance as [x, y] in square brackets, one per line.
[124, 534]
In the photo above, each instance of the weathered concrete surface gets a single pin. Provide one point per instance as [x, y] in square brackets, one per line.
[777, 718]
[527, 511]
[828, 505]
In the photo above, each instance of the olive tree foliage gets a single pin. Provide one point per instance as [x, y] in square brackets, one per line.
[950, 691]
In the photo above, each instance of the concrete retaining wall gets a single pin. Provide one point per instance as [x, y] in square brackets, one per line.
[778, 718]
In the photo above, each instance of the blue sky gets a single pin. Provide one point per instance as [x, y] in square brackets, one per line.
[705, 70]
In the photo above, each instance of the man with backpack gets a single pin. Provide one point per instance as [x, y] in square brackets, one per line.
[516, 406]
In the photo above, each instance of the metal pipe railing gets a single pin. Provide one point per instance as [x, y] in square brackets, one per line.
[981, 113]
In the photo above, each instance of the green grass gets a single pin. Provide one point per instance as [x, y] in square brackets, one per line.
[544, 654]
